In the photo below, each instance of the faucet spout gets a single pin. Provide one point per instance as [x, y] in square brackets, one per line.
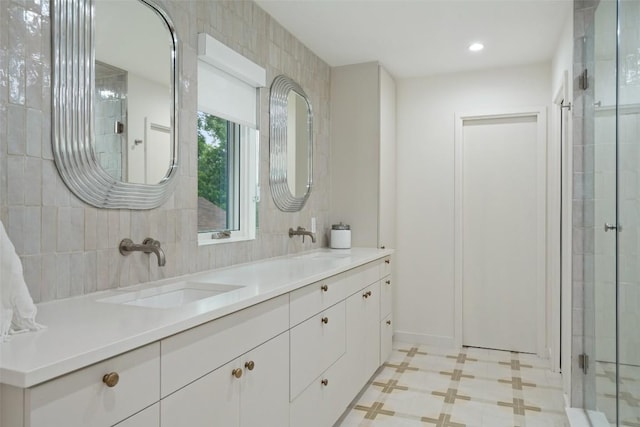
[149, 245]
[301, 231]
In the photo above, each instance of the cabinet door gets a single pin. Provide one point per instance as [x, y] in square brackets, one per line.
[363, 336]
[265, 385]
[386, 297]
[387, 177]
[213, 400]
[386, 338]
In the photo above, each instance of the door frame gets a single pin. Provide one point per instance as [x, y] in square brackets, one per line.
[541, 119]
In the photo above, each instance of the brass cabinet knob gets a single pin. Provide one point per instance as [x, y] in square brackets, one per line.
[388, 322]
[325, 382]
[250, 365]
[387, 261]
[366, 294]
[111, 379]
[237, 372]
[382, 247]
[325, 320]
[388, 282]
[324, 288]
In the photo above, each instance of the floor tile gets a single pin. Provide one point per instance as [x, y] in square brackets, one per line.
[428, 386]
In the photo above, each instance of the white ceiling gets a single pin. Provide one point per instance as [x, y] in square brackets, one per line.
[414, 38]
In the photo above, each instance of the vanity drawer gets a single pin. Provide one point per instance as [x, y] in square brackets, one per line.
[192, 354]
[312, 299]
[316, 344]
[82, 398]
[386, 297]
[385, 266]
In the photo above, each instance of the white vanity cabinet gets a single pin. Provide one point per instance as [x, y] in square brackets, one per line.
[297, 359]
[363, 127]
[251, 390]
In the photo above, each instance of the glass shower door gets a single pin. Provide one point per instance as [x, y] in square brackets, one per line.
[628, 249]
[600, 296]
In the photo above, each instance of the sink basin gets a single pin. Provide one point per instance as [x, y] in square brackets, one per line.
[171, 295]
[323, 255]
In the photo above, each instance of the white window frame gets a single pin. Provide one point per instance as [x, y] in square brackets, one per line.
[227, 62]
[249, 192]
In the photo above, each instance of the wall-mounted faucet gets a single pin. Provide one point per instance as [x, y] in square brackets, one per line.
[148, 246]
[301, 231]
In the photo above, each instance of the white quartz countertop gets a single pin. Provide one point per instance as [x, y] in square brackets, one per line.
[82, 330]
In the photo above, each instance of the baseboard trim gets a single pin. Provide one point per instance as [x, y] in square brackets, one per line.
[432, 340]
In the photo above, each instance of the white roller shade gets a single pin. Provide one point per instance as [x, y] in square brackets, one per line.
[228, 82]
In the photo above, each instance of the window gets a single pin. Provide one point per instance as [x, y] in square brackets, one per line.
[228, 141]
[227, 180]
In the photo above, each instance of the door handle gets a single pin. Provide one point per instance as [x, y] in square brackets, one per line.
[609, 226]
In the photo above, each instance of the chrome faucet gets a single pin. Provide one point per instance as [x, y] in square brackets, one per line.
[148, 246]
[301, 231]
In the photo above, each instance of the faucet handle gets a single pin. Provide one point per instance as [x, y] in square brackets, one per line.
[150, 241]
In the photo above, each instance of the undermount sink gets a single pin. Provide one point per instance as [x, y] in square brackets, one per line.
[323, 255]
[171, 295]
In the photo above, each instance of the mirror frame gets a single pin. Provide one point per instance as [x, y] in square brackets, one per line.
[73, 127]
[278, 107]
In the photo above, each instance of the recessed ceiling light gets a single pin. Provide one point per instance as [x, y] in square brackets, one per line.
[476, 47]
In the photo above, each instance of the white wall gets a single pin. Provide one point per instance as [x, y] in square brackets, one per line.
[151, 100]
[425, 233]
[563, 63]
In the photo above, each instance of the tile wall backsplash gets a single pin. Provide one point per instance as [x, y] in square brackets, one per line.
[68, 248]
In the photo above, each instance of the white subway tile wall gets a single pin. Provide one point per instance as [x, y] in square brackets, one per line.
[69, 248]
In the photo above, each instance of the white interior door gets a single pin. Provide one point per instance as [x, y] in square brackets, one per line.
[502, 231]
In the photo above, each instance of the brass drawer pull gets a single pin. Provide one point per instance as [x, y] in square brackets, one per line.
[388, 322]
[111, 379]
[324, 288]
[250, 365]
[237, 372]
[325, 320]
[366, 294]
[325, 382]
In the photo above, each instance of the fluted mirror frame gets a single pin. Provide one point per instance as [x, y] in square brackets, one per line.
[278, 116]
[73, 128]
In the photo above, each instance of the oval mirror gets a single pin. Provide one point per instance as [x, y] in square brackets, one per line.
[291, 145]
[114, 108]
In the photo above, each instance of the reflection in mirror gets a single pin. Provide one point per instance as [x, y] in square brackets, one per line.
[114, 146]
[297, 144]
[291, 145]
[132, 104]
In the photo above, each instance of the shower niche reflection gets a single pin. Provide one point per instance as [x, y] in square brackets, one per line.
[110, 113]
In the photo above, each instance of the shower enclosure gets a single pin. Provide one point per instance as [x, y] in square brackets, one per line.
[608, 187]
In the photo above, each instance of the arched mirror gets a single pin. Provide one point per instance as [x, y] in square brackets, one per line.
[114, 101]
[291, 145]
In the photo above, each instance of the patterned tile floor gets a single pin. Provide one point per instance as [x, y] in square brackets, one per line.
[426, 386]
[629, 393]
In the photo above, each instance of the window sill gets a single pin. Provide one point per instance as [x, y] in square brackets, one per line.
[204, 239]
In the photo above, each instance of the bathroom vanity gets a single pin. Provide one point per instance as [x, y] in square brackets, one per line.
[287, 341]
